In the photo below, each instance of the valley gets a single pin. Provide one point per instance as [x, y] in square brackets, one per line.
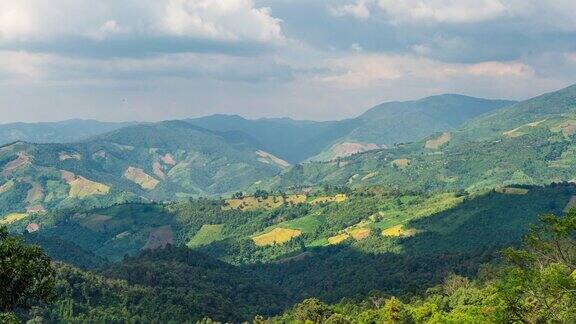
[204, 219]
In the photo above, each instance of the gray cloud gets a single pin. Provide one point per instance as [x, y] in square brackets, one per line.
[320, 59]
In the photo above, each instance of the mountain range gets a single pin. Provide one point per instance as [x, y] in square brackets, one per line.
[206, 156]
[227, 218]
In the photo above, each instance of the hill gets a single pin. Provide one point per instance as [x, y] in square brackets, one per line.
[527, 143]
[67, 131]
[292, 140]
[163, 161]
[381, 126]
[168, 285]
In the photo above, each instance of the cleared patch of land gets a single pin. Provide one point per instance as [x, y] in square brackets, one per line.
[397, 230]
[81, 187]
[95, 222]
[276, 236]
[516, 132]
[159, 237]
[435, 143]
[6, 186]
[207, 234]
[35, 193]
[22, 159]
[63, 156]
[157, 168]
[11, 218]
[168, 159]
[268, 158]
[512, 191]
[401, 163]
[271, 202]
[348, 148]
[336, 239]
[141, 178]
[359, 233]
[35, 209]
[295, 258]
[326, 199]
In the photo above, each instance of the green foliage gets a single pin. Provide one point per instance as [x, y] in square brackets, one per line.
[537, 285]
[26, 276]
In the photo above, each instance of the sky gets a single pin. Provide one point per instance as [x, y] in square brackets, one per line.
[118, 60]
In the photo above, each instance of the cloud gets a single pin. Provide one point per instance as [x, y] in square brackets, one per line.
[219, 20]
[365, 70]
[16, 21]
[360, 9]
[228, 20]
[448, 11]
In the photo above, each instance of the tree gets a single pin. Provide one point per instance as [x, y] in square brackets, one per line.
[540, 283]
[26, 275]
[261, 194]
[311, 310]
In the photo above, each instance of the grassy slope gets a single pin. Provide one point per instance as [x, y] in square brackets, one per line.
[205, 163]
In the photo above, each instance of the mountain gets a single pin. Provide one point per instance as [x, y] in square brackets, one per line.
[161, 161]
[531, 142]
[292, 140]
[56, 132]
[381, 126]
[398, 122]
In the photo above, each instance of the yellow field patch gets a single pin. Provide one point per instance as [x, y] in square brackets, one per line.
[252, 203]
[512, 191]
[337, 198]
[11, 218]
[81, 187]
[336, 239]
[296, 199]
[141, 178]
[398, 230]
[360, 233]
[401, 163]
[435, 143]
[276, 236]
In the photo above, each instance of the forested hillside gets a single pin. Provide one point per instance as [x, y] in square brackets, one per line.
[527, 143]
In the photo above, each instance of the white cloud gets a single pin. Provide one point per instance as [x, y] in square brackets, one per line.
[21, 66]
[359, 9]
[220, 20]
[107, 29]
[449, 11]
[365, 70]
[16, 21]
